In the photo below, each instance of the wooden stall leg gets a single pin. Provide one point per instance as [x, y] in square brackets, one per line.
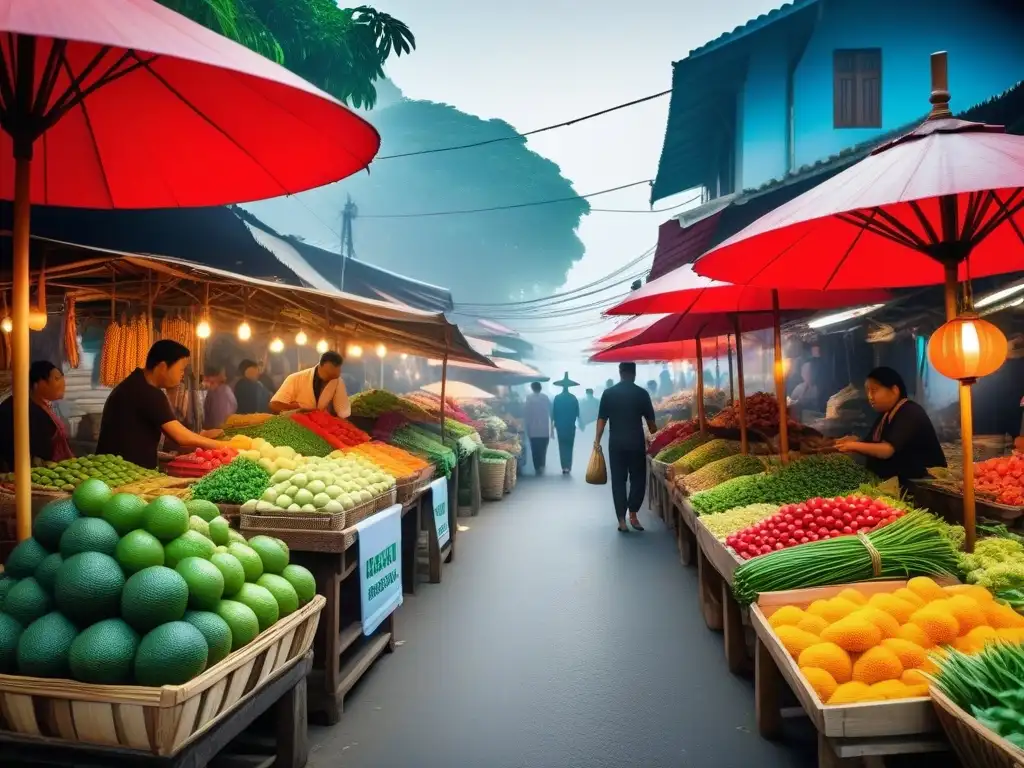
[475, 490]
[767, 692]
[736, 655]
[433, 551]
[410, 544]
[389, 627]
[687, 540]
[710, 592]
[330, 621]
[292, 728]
[828, 758]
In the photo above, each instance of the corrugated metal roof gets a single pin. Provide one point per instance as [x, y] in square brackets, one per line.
[754, 25]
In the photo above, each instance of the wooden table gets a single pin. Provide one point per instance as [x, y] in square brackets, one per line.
[341, 654]
[285, 696]
[716, 565]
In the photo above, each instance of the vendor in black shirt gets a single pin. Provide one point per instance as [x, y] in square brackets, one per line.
[902, 443]
[48, 440]
[137, 412]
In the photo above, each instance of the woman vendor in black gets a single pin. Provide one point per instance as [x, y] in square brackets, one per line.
[48, 440]
[902, 443]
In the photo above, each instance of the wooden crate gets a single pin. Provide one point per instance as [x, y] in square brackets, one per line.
[156, 721]
[908, 717]
[716, 565]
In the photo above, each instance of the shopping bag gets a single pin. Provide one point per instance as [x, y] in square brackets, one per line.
[597, 472]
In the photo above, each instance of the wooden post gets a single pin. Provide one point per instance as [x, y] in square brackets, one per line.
[780, 381]
[966, 419]
[698, 395]
[20, 344]
[744, 444]
[728, 353]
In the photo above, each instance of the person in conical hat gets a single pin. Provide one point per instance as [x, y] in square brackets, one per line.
[565, 413]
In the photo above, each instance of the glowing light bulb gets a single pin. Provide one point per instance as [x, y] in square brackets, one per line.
[203, 330]
[277, 345]
[7, 325]
[355, 351]
[405, 356]
[244, 331]
[381, 350]
[971, 345]
[301, 338]
[321, 346]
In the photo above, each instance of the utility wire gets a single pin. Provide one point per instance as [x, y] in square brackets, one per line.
[534, 132]
[504, 207]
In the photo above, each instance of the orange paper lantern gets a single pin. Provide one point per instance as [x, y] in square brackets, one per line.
[967, 348]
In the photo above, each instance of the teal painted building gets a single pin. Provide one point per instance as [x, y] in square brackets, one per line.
[816, 78]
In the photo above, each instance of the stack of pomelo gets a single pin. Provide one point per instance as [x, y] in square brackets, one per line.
[113, 590]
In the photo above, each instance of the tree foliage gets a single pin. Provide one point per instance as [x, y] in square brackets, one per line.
[341, 50]
[480, 257]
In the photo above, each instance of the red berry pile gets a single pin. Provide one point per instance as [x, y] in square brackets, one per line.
[812, 520]
[200, 461]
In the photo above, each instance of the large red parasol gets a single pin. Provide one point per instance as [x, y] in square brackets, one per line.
[707, 307]
[628, 329]
[657, 353]
[126, 104]
[941, 204]
[683, 290]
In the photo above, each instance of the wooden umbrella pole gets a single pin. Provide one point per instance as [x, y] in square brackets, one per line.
[744, 445]
[699, 394]
[780, 381]
[966, 421]
[728, 353]
[20, 344]
[444, 383]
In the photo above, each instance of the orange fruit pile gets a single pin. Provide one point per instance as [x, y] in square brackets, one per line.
[853, 648]
[394, 461]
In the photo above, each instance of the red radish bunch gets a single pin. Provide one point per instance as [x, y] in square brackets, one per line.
[812, 520]
[200, 461]
[1003, 478]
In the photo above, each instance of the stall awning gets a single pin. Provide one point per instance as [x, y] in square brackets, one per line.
[93, 274]
[500, 365]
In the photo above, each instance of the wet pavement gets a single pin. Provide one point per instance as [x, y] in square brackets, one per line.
[555, 642]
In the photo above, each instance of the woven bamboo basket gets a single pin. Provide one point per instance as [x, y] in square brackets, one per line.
[973, 743]
[492, 479]
[156, 721]
[409, 487]
[387, 499]
[511, 474]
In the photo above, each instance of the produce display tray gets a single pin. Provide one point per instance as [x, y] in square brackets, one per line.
[906, 717]
[158, 721]
[974, 744]
[948, 504]
[330, 542]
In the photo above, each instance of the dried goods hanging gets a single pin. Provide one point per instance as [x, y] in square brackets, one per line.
[125, 346]
[71, 333]
[180, 330]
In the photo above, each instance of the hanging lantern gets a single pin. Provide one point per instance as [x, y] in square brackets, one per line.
[244, 331]
[967, 348]
[355, 350]
[277, 346]
[203, 329]
[381, 350]
[321, 346]
[301, 338]
[6, 325]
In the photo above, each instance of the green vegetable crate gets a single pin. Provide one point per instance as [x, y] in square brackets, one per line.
[279, 519]
[974, 744]
[154, 721]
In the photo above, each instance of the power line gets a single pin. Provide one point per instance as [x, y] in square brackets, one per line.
[504, 207]
[534, 132]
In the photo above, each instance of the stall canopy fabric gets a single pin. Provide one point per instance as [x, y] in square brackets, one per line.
[458, 390]
[627, 329]
[94, 275]
[674, 328]
[501, 367]
[227, 237]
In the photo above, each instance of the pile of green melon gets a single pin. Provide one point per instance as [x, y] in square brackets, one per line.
[112, 590]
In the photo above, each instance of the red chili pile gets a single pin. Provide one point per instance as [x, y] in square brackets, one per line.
[762, 414]
[677, 430]
[338, 433]
[1003, 478]
[812, 520]
[200, 462]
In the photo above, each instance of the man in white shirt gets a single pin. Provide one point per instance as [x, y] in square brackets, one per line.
[315, 389]
[539, 427]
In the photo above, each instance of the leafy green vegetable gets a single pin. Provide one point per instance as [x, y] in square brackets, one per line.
[679, 448]
[234, 483]
[988, 684]
[718, 472]
[702, 455]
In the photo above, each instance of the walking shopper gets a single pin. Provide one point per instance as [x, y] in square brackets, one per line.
[565, 413]
[539, 429]
[626, 407]
[588, 409]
